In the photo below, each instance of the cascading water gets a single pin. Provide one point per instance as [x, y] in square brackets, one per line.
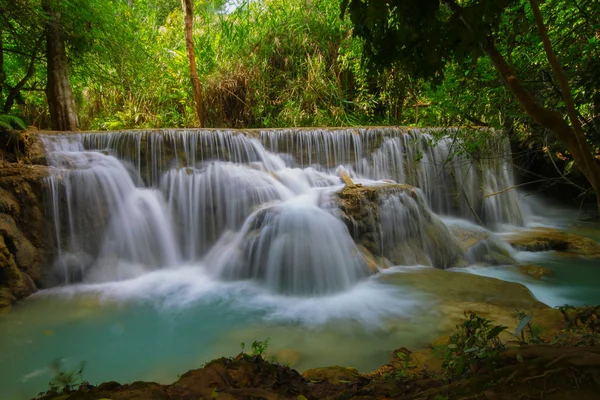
[207, 202]
[411, 234]
[452, 183]
[251, 205]
[296, 248]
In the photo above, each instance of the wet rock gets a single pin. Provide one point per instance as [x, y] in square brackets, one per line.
[374, 263]
[534, 271]
[24, 240]
[393, 221]
[481, 246]
[544, 239]
[452, 287]
[6, 297]
[23, 147]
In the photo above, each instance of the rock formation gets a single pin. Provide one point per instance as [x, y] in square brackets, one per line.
[393, 221]
[24, 246]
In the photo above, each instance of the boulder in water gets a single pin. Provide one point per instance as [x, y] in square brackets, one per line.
[534, 271]
[481, 246]
[394, 221]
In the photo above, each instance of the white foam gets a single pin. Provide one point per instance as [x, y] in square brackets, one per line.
[369, 302]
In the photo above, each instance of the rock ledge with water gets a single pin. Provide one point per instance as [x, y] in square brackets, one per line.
[545, 239]
[393, 222]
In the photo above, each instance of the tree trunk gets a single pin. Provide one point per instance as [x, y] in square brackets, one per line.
[63, 113]
[587, 162]
[188, 14]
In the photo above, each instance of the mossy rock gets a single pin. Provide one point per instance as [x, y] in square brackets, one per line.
[535, 271]
[545, 239]
[429, 242]
[6, 297]
[482, 247]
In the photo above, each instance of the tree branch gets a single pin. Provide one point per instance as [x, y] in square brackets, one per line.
[14, 93]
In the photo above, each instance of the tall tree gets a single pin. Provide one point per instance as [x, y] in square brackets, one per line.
[425, 34]
[188, 15]
[63, 113]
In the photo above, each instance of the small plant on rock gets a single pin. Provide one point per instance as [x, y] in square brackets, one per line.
[473, 347]
[65, 380]
[260, 347]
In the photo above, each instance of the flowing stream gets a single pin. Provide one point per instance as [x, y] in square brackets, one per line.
[174, 246]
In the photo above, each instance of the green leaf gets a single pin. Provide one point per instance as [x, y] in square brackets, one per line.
[569, 167]
[495, 331]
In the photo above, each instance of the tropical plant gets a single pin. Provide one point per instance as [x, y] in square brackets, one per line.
[65, 380]
[474, 346]
[11, 122]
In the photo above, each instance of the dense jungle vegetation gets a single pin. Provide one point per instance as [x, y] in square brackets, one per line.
[108, 65]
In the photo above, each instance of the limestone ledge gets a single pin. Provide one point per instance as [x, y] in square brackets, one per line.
[427, 241]
[545, 239]
[24, 239]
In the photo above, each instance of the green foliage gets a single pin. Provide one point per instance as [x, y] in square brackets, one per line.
[473, 346]
[582, 326]
[265, 63]
[423, 35]
[457, 86]
[403, 370]
[275, 63]
[11, 122]
[260, 347]
[65, 380]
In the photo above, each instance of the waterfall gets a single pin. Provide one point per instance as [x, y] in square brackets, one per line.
[257, 205]
[219, 197]
[296, 248]
[412, 234]
[104, 216]
[452, 183]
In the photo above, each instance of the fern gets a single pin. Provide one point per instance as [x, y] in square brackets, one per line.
[10, 122]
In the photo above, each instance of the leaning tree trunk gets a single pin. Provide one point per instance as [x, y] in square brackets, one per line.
[572, 136]
[578, 145]
[188, 14]
[63, 113]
